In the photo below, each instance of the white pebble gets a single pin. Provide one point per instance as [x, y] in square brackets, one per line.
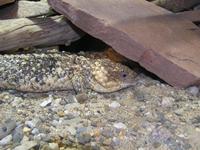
[120, 125]
[46, 103]
[114, 105]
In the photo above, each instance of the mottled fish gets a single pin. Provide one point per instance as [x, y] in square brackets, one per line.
[61, 71]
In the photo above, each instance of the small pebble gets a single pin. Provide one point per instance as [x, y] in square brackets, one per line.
[114, 105]
[26, 129]
[6, 140]
[107, 133]
[35, 131]
[197, 129]
[179, 112]
[115, 142]
[84, 138]
[47, 102]
[167, 101]
[26, 145]
[53, 146]
[193, 90]
[120, 125]
[71, 130]
[17, 134]
[61, 113]
[62, 102]
[33, 123]
[7, 127]
[81, 98]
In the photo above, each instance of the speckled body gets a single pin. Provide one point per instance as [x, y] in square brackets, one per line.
[59, 71]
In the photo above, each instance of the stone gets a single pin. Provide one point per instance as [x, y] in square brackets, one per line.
[167, 102]
[120, 125]
[179, 112]
[26, 129]
[71, 130]
[61, 113]
[114, 105]
[82, 98]
[17, 134]
[26, 145]
[35, 131]
[33, 123]
[108, 133]
[84, 138]
[128, 26]
[53, 146]
[7, 127]
[47, 102]
[6, 140]
[197, 7]
[193, 90]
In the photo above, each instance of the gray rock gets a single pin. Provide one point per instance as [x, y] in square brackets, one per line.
[115, 142]
[6, 128]
[166, 137]
[26, 145]
[84, 138]
[107, 133]
[81, 130]
[71, 130]
[42, 136]
[55, 123]
[62, 102]
[197, 7]
[6, 140]
[16, 101]
[33, 123]
[179, 112]
[193, 90]
[17, 134]
[35, 131]
[71, 99]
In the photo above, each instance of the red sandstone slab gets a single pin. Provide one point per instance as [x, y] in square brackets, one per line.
[193, 15]
[161, 42]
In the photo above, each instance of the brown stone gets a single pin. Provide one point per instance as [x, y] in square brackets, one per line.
[4, 2]
[158, 40]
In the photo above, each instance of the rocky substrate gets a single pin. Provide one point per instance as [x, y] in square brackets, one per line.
[151, 115]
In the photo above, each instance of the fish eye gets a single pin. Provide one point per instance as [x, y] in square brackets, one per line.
[124, 75]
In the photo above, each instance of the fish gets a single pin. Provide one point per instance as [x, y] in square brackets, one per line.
[62, 71]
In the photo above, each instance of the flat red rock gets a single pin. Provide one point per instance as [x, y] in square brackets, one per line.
[163, 43]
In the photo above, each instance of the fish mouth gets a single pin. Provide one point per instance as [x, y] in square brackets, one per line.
[101, 89]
